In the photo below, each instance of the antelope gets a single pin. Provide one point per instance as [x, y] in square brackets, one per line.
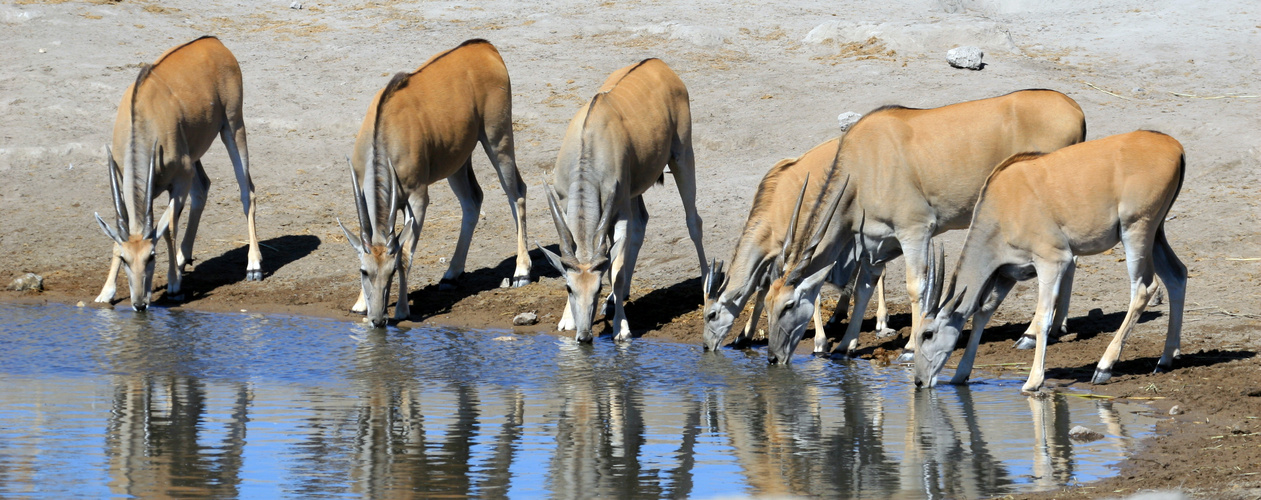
[728, 290]
[917, 173]
[422, 128]
[166, 121]
[615, 148]
[1039, 211]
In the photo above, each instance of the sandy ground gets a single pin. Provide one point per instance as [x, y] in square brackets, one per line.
[766, 79]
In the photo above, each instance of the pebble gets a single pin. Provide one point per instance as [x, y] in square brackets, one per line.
[28, 281]
[295, 5]
[1176, 410]
[1082, 434]
[526, 319]
[80, 304]
[965, 57]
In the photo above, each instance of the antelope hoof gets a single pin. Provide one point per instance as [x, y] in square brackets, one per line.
[363, 311]
[1025, 342]
[104, 298]
[254, 275]
[567, 324]
[906, 357]
[1102, 376]
[520, 281]
[886, 332]
[175, 297]
[1163, 368]
[740, 343]
[447, 285]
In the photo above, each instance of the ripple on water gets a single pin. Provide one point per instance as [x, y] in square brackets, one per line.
[100, 402]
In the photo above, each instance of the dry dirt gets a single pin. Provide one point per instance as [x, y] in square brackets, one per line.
[766, 80]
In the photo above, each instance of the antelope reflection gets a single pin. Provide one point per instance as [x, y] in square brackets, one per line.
[155, 437]
[401, 446]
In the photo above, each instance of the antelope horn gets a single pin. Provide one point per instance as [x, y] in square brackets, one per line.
[393, 193]
[714, 279]
[120, 210]
[148, 190]
[808, 253]
[567, 238]
[606, 219]
[792, 224]
[936, 266]
[361, 206]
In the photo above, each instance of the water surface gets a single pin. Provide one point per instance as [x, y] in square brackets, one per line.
[98, 403]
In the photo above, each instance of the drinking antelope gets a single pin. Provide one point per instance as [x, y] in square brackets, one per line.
[422, 128]
[615, 148]
[917, 173]
[1039, 211]
[166, 121]
[728, 289]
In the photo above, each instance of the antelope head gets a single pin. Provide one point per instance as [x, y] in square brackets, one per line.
[137, 239]
[790, 298]
[583, 272]
[720, 310]
[942, 325]
[378, 245]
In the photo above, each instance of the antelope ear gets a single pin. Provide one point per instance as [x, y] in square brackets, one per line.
[163, 225]
[809, 287]
[351, 237]
[113, 235]
[952, 304]
[553, 258]
[409, 234]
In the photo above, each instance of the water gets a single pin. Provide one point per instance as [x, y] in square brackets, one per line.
[109, 403]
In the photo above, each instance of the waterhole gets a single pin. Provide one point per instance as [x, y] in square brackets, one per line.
[107, 402]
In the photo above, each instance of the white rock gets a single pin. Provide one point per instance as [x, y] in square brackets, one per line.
[847, 119]
[1082, 434]
[526, 319]
[29, 281]
[965, 57]
[1175, 410]
[295, 5]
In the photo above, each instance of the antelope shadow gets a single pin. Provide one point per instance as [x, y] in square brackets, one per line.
[430, 300]
[229, 267]
[1147, 364]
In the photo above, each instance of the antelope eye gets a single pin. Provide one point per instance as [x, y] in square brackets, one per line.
[363, 272]
[790, 304]
[711, 316]
[928, 334]
[569, 290]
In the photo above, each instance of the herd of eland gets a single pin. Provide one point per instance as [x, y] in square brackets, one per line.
[1016, 171]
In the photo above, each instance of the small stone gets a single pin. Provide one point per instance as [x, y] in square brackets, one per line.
[505, 338]
[1083, 435]
[847, 119]
[41, 51]
[1176, 410]
[80, 304]
[965, 57]
[295, 5]
[29, 281]
[526, 319]
[505, 283]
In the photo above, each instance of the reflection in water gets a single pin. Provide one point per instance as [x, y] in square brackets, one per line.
[97, 403]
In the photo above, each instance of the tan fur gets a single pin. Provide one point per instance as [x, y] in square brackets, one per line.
[1037, 213]
[615, 148]
[426, 124]
[918, 172]
[762, 240]
[177, 106]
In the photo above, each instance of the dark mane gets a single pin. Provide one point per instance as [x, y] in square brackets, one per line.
[398, 82]
[1011, 160]
[629, 71]
[145, 71]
